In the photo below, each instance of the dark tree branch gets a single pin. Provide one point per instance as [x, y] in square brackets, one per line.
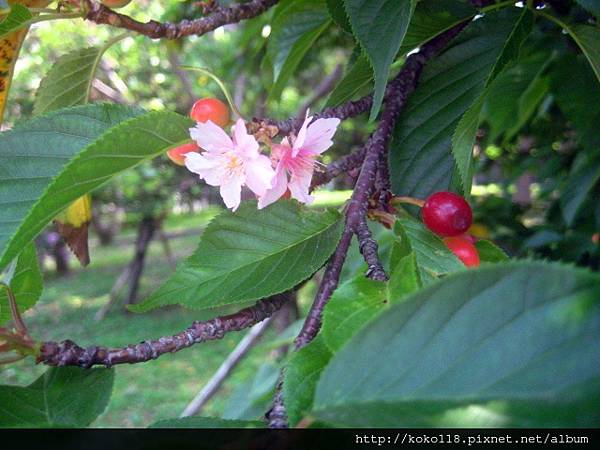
[374, 166]
[374, 171]
[98, 13]
[369, 248]
[374, 153]
[67, 353]
[344, 164]
[277, 415]
[383, 187]
[344, 111]
[331, 278]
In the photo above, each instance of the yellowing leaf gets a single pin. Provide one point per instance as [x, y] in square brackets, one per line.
[73, 225]
[9, 51]
[78, 213]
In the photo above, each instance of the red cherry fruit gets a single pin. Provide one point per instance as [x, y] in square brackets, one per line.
[177, 154]
[211, 109]
[463, 249]
[472, 239]
[447, 214]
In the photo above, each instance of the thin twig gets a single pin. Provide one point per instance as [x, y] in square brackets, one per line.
[14, 311]
[100, 14]
[67, 353]
[277, 415]
[344, 164]
[344, 111]
[330, 281]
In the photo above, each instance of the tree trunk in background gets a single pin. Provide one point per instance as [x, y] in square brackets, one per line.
[104, 231]
[164, 240]
[146, 231]
[60, 254]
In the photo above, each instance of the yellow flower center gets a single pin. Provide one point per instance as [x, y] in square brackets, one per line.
[234, 163]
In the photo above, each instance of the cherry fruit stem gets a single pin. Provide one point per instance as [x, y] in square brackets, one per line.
[408, 200]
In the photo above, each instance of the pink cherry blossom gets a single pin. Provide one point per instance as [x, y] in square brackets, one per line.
[229, 163]
[296, 162]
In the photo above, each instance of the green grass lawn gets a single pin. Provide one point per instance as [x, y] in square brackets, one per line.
[160, 389]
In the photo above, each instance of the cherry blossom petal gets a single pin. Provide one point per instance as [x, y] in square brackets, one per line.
[208, 167]
[280, 185]
[278, 151]
[299, 142]
[259, 174]
[211, 137]
[245, 143]
[231, 191]
[299, 185]
[319, 134]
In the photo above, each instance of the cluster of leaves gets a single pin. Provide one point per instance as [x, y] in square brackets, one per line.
[509, 344]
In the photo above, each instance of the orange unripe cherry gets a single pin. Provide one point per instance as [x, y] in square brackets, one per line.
[115, 3]
[211, 109]
[203, 110]
[177, 154]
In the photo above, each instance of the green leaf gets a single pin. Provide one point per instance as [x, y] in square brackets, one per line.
[26, 283]
[356, 302]
[379, 26]
[577, 187]
[515, 94]
[251, 254]
[404, 279]
[296, 26]
[592, 6]
[577, 93]
[18, 17]
[462, 144]
[301, 375]
[35, 152]
[121, 147]
[542, 238]
[510, 345]
[533, 95]
[490, 252]
[69, 80]
[430, 18]
[432, 256]
[588, 39]
[351, 306]
[466, 130]
[61, 397]
[421, 161]
[338, 14]
[357, 78]
[206, 422]
[253, 397]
